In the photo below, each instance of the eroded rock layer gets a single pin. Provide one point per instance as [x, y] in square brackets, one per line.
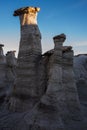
[29, 57]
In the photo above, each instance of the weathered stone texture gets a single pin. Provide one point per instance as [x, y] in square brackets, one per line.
[61, 89]
[11, 64]
[7, 73]
[70, 89]
[29, 58]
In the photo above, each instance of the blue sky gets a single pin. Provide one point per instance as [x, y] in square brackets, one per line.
[55, 17]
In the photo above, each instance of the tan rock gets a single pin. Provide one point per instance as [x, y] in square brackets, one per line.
[28, 15]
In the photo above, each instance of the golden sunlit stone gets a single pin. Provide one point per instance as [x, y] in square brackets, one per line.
[28, 15]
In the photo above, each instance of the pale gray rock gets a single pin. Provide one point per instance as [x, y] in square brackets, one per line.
[61, 87]
[54, 84]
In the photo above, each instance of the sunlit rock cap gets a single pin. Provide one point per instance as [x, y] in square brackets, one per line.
[27, 15]
[26, 10]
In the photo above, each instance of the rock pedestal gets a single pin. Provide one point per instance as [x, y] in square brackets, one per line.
[54, 85]
[69, 87]
[26, 84]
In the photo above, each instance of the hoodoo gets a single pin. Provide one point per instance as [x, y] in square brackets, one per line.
[29, 55]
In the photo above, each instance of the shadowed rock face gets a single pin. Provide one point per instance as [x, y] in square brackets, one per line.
[7, 73]
[11, 64]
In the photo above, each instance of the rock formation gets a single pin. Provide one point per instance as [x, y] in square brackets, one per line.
[59, 100]
[44, 94]
[11, 64]
[2, 74]
[61, 90]
[80, 70]
[7, 72]
[69, 87]
[26, 84]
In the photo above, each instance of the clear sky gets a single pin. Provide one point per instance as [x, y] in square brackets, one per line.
[55, 17]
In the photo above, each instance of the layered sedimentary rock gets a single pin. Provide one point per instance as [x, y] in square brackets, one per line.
[11, 64]
[48, 109]
[60, 103]
[69, 87]
[61, 87]
[53, 95]
[26, 84]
